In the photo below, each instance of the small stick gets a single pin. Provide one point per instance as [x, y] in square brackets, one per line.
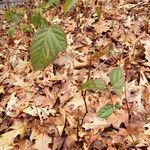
[85, 104]
[126, 101]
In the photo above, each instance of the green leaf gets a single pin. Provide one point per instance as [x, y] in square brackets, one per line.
[106, 110]
[8, 14]
[117, 105]
[11, 31]
[46, 45]
[95, 84]
[117, 80]
[69, 4]
[38, 21]
[26, 28]
[53, 2]
[16, 17]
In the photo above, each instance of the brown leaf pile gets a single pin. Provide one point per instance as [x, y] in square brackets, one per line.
[45, 109]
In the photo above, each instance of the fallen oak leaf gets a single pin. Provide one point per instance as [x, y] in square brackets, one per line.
[24, 145]
[7, 139]
[42, 112]
[15, 106]
[76, 102]
[97, 123]
[147, 49]
[42, 140]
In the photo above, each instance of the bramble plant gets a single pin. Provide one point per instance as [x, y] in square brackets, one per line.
[117, 82]
[49, 41]
[46, 45]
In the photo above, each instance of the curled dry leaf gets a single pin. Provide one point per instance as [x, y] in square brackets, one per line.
[96, 44]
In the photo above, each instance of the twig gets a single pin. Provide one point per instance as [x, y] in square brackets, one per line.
[84, 92]
[78, 125]
[126, 101]
[85, 104]
[90, 64]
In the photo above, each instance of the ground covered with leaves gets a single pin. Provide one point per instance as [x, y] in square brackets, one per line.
[47, 109]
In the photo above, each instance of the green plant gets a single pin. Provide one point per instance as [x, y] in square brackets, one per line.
[108, 109]
[46, 45]
[69, 4]
[15, 18]
[53, 3]
[95, 84]
[47, 42]
[117, 81]
[38, 20]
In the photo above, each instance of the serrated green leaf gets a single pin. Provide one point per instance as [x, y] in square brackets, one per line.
[46, 45]
[68, 5]
[95, 84]
[106, 110]
[117, 80]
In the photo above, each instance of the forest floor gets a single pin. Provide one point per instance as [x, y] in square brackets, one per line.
[46, 109]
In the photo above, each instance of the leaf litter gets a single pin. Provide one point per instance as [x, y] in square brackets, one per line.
[45, 109]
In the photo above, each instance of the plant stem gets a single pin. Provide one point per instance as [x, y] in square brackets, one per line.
[84, 92]
[126, 101]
